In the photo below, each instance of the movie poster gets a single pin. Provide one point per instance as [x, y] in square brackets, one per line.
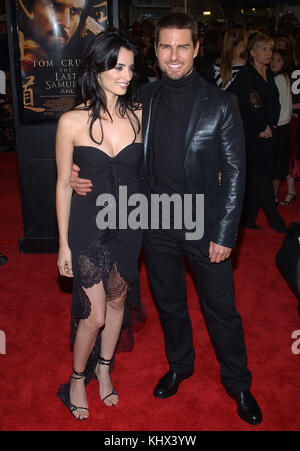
[53, 34]
[6, 109]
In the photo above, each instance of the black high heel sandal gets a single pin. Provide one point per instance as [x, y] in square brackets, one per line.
[285, 203]
[106, 362]
[64, 395]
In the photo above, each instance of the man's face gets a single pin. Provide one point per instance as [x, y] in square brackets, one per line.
[176, 52]
[56, 21]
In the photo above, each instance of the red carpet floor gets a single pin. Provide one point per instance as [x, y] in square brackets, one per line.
[34, 315]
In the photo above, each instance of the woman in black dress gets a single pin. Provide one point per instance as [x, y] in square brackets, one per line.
[260, 108]
[102, 135]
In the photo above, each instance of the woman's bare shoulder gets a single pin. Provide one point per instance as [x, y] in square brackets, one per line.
[75, 118]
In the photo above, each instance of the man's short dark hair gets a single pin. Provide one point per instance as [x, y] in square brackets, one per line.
[180, 21]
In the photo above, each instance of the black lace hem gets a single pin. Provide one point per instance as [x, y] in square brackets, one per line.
[93, 266]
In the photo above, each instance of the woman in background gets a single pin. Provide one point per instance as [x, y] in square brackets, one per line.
[260, 108]
[232, 59]
[281, 147]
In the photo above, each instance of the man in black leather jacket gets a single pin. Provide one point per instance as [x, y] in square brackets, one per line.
[208, 159]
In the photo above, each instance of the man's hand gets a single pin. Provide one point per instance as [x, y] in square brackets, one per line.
[218, 253]
[80, 186]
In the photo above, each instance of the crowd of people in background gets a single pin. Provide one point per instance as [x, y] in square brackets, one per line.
[261, 65]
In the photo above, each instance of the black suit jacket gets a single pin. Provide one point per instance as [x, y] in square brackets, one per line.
[214, 143]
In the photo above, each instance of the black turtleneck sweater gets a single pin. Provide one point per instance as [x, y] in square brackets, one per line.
[171, 113]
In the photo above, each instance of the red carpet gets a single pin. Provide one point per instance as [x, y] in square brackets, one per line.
[34, 314]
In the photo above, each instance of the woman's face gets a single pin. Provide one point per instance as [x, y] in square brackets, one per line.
[262, 53]
[115, 81]
[240, 49]
[276, 62]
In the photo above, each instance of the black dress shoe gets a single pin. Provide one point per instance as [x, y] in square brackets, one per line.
[248, 408]
[169, 383]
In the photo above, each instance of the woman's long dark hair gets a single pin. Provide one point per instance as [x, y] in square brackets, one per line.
[102, 55]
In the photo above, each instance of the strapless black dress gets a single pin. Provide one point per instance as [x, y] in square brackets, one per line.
[105, 255]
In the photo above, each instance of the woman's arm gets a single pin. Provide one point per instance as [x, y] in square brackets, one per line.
[64, 159]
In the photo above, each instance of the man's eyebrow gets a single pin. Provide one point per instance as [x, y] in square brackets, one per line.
[178, 45]
[78, 9]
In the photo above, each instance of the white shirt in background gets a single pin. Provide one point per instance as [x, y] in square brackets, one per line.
[285, 99]
[2, 82]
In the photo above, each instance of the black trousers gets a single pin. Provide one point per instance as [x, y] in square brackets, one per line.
[260, 193]
[165, 251]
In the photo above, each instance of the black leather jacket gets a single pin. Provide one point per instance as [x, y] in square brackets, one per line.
[215, 144]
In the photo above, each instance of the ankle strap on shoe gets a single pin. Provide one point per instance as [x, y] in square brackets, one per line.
[79, 375]
[102, 361]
